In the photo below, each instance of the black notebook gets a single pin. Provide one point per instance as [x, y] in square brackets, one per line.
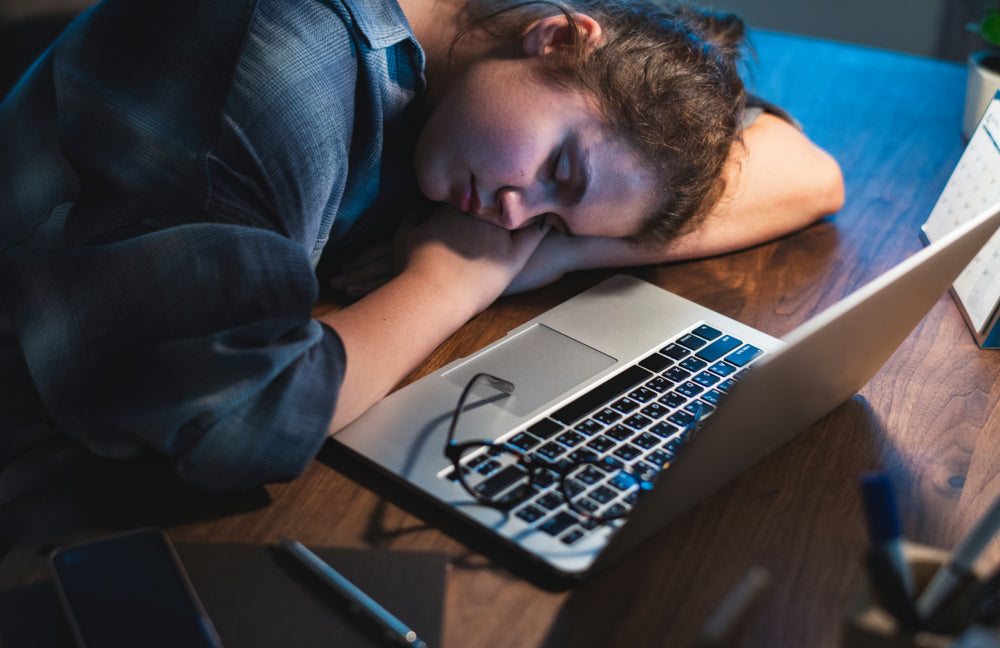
[260, 596]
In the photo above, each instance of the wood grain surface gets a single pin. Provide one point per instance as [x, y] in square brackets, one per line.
[929, 417]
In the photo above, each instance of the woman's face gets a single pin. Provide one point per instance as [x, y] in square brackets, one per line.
[514, 151]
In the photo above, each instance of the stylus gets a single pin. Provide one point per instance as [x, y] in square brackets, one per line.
[395, 630]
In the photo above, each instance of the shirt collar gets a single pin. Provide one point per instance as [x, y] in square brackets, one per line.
[382, 23]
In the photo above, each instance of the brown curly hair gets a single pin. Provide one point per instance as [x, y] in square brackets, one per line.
[666, 79]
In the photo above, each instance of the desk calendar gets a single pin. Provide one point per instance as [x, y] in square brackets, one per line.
[973, 187]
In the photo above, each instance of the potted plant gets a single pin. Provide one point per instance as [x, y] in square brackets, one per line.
[984, 69]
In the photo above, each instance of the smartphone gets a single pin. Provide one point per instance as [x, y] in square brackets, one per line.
[130, 589]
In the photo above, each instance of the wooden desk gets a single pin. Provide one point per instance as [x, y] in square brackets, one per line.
[930, 416]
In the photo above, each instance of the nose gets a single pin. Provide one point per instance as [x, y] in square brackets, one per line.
[517, 207]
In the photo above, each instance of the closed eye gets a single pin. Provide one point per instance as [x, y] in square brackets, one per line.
[562, 169]
[569, 171]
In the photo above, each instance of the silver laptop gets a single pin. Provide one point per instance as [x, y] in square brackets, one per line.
[674, 384]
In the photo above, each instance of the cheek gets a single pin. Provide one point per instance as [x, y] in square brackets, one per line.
[427, 166]
[510, 149]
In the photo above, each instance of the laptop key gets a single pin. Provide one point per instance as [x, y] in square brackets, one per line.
[530, 513]
[582, 455]
[645, 471]
[694, 364]
[660, 384]
[625, 405]
[616, 509]
[589, 475]
[638, 421]
[590, 427]
[619, 384]
[674, 399]
[722, 369]
[719, 348]
[570, 439]
[525, 441]
[654, 410]
[545, 428]
[713, 396]
[692, 342]
[627, 452]
[680, 418]
[551, 500]
[602, 494]
[559, 523]
[545, 478]
[501, 481]
[622, 482]
[744, 355]
[607, 416]
[664, 430]
[655, 362]
[707, 332]
[646, 440]
[677, 374]
[675, 351]
[551, 450]
[690, 389]
[706, 378]
[619, 433]
[705, 408]
[642, 395]
[488, 467]
[601, 444]
[659, 457]
[476, 460]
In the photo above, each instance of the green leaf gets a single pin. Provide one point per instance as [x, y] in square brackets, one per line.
[991, 27]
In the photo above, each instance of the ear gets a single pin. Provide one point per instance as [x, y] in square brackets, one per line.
[553, 32]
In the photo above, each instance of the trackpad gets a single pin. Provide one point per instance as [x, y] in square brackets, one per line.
[540, 361]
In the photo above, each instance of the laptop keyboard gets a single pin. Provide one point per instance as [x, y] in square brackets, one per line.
[638, 417]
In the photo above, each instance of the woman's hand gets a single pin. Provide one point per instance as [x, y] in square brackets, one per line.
[556, 255]
[474, 242]
[451, 248]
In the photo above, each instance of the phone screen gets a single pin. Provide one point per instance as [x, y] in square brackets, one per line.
[130, 590]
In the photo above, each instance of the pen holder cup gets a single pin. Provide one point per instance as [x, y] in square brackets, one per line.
[868, 625]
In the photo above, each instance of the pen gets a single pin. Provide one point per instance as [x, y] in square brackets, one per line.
[988, 600]
[959, 564]
[883, 528]
[395, 630]
[721, 627]
[889, 592]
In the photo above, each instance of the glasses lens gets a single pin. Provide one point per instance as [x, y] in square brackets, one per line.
[494, 474]
[603, 490]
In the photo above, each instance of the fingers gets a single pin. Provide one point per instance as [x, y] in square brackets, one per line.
[528, 239]
[450, 244]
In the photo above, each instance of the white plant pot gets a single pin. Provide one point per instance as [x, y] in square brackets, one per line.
[983, 82]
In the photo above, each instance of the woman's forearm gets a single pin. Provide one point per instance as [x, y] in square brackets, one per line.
[456, 267]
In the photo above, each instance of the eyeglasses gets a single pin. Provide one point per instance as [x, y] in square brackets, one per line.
[503, 476]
